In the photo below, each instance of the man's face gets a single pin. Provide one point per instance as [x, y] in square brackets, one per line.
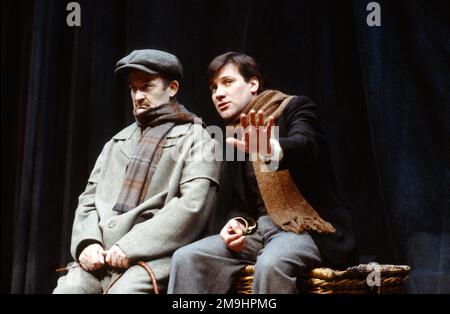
[149, 90]
[230, 92]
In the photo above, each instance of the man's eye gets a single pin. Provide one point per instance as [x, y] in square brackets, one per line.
[228, 82]
[213, 88]
[148, 86]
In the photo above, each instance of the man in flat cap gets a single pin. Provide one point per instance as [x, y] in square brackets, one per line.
[150, 192]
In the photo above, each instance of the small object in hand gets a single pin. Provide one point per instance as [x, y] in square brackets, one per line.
[250, 225]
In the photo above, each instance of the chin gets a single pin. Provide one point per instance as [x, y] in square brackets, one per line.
[226, 115]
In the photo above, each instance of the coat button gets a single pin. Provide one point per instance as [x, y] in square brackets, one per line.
[111, 224]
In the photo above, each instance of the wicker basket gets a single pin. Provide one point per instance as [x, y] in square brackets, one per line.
[386, 279]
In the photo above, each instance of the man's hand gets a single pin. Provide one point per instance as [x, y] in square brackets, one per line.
[91, 258]
[256, 137]
[115, 257]
[233, 235]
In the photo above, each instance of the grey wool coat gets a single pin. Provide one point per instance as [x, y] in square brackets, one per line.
[177, 207]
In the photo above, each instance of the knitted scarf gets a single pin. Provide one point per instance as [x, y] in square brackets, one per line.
[156, 123]
[284, 202]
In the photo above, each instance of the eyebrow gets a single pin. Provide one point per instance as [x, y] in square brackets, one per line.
[222, 78]
[219, 79]
[226, 77]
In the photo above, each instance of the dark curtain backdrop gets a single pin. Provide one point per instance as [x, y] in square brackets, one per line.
[383, 94]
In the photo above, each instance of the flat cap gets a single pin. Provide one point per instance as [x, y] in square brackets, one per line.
[151, 61]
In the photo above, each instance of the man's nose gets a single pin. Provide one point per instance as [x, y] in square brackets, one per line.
[219, 93]
[139, 95]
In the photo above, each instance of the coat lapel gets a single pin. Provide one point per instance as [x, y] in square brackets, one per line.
[129, 136]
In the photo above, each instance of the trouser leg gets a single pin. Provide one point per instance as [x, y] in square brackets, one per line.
[79, 281]
[207, 266]
[284, 257]
[133, 281]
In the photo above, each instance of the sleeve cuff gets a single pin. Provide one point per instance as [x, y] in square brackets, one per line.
[277, 152]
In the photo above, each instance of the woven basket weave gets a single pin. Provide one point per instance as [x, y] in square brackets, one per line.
[353, 280]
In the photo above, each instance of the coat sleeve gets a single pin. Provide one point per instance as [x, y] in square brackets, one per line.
[304, 133]
[184, 218]
[86, 228]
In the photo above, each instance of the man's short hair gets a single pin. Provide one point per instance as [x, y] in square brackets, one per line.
[246, 65]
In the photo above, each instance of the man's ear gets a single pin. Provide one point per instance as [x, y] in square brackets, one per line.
[254, 84]
[173, 88]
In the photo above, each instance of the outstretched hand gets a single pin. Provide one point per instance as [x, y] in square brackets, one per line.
[256, 135]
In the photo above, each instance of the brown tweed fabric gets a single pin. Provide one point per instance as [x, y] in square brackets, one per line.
[271, 102]
[156, 123]
[284, 203]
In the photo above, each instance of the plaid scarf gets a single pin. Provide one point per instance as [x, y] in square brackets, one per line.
[285, 204]
[156, 123]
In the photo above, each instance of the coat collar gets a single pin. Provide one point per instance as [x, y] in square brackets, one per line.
[127, 132]
[131, 134]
